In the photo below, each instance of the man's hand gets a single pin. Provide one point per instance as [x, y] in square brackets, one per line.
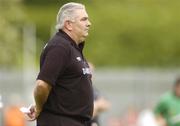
[34, 113]
[41, 93]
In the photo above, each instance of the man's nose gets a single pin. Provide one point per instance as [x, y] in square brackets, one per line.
[89, 23]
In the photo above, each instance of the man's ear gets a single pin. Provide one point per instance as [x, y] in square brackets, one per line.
[68, 25]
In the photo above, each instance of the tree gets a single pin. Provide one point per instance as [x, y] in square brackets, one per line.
[12, 19]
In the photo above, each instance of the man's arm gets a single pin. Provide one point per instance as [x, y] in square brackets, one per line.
[161, 110]
[41, 93]
[161, 121]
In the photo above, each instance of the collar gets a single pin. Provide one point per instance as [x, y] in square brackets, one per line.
[72, 42]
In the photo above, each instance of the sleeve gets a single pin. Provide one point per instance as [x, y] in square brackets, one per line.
[53, 65]
[161, 108]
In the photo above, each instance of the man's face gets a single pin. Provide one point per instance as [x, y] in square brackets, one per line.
[177, 90]
[81, 24]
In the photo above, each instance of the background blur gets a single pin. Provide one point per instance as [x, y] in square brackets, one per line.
[134, 45]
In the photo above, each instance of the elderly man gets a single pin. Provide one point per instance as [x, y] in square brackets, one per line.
[63, 93]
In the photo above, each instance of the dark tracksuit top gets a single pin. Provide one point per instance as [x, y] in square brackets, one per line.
[63, 66]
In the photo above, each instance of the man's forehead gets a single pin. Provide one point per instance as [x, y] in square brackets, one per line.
[81, 13]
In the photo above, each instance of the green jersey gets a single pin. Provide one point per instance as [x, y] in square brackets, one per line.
[169, 108]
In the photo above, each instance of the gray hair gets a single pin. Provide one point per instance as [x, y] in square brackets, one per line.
[66, 12]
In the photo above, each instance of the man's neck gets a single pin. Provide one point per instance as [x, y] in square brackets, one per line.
[73, 37]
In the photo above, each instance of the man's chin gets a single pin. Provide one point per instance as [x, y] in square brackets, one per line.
[86, 35]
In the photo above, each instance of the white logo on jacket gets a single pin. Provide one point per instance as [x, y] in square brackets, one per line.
[78, 58]
[86, 70]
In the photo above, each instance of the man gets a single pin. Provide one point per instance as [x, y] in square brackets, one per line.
[63, 93]
[168, 109]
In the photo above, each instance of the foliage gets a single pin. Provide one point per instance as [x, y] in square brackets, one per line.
[135, 34]
[12, 18]
[124, 33]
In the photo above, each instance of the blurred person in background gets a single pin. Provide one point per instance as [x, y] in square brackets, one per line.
[63, 93]
[167, 110]
[101, 104]
[13, 116]
[1, 110]
[115, 121]
[131, 116]
[147, 118]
